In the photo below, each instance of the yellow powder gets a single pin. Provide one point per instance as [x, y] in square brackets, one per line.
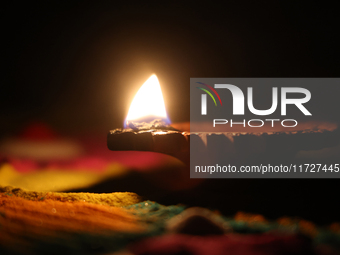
[56, 180]
[116, 199]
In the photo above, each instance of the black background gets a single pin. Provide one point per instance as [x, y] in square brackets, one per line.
[76, 65]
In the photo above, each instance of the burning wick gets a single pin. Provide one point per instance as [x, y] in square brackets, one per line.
[147, 126]
[147, 109]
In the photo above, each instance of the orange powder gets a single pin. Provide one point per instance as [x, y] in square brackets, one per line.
[23, 221]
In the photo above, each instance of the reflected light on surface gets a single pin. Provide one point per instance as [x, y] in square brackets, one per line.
[148, 102]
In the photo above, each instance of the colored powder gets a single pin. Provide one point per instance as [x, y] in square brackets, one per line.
[56, 180]
[117, 199]
[27, 226]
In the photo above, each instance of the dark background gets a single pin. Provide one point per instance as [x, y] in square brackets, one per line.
[76, 65]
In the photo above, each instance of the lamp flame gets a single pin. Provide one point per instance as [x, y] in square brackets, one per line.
[147, 105]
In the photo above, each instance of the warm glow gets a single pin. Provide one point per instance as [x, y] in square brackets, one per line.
[148, 101]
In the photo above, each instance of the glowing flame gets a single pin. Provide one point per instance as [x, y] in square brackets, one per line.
[148, 103]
